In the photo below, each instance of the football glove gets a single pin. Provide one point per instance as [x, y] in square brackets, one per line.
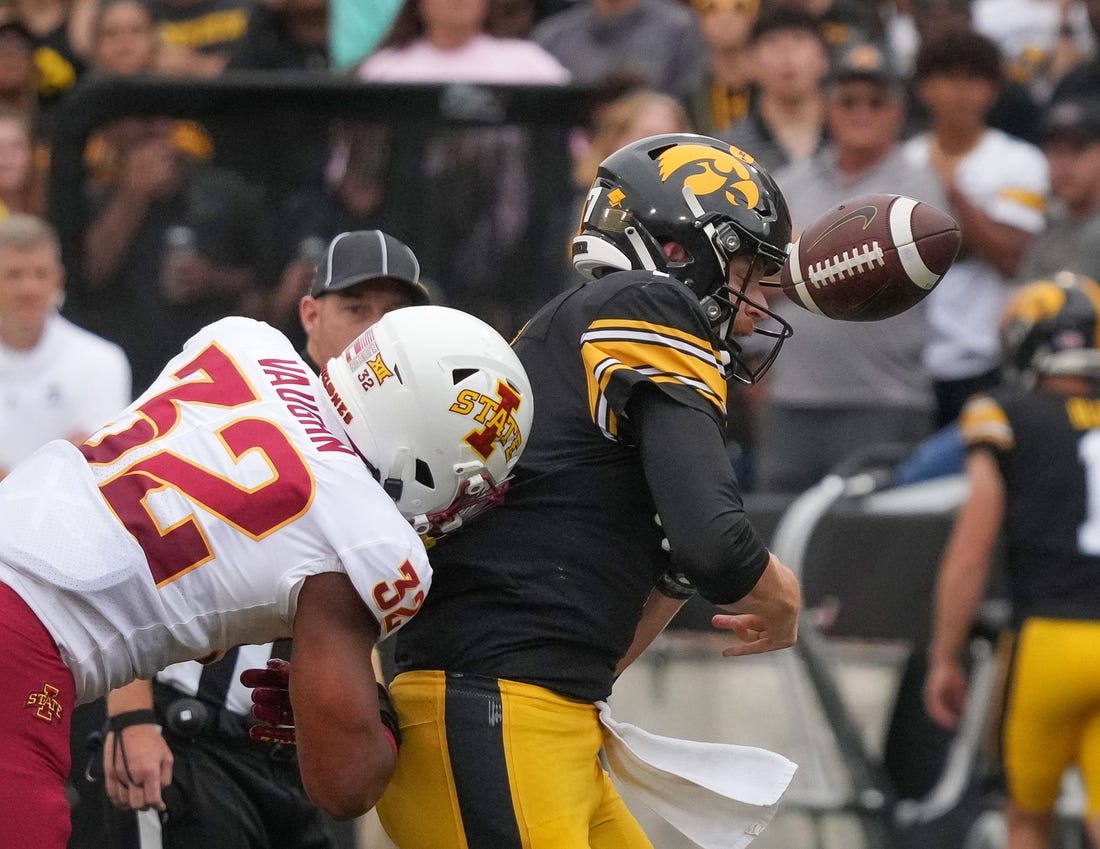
[274, 715]
[271, 702]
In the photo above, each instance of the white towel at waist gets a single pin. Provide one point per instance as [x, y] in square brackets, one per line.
[719, 795]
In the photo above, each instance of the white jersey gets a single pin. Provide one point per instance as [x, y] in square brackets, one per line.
[69, 384]
[1008, 179]
[188, 525]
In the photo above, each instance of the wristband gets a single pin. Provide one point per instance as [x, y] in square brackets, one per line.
[675, 585]
[127, 718]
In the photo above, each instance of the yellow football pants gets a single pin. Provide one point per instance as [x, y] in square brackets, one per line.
[1052, 716]
[494, 764]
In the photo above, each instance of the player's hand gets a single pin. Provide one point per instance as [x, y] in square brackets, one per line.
[767, 618]
[754, 632]
[137, 766]
[271, 706]
[945, 692]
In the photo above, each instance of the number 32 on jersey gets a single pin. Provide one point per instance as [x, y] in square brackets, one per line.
[211, 379]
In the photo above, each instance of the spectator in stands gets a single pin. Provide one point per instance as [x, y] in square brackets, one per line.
[511, 18]
[913, 21]
[726, 91]
[1014, 110]
[786, 120]
[446, 41]
[23, 166]
[124, 39]
[472, 235]
[595, 38]
[199, 35]
[348, 197]
[357, 28]
[57, 380]
[1083, 78]
[1031, 470]
[632, 115]
[228, 782]
[996, 187]
[18, 75]
[1070, 137]
[61, 34]
[1037, 38]
[842, 23]
[285, 35]
[849, 384]
[174, 242]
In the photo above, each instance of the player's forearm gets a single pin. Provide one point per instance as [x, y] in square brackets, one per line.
[958, 592]
[657, 613]
[776, 598]
[691, 478]
[137, 695]
[109, 237]
[1002, 245]
[965, 564]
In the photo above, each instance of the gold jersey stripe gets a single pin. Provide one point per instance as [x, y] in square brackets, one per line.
[983, 421]
[1026, 197]
[662, 357]
[654, 358]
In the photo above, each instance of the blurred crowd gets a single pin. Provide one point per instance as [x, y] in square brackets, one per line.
[987, 108]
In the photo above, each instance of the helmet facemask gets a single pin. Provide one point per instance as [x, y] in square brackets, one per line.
[727, 241]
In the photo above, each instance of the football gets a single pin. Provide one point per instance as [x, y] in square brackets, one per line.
[870, 258]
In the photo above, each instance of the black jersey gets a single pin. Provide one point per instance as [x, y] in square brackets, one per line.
[548, 587]
[1048, 448]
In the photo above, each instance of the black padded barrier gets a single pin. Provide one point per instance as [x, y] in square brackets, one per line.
[269, 126]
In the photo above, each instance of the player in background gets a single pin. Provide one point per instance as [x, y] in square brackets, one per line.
[241, 499]
[535, 610]
[1033, 449]
[226, 786]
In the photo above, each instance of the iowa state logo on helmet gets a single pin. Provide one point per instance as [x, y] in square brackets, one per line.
[706, 170]
[496, 415]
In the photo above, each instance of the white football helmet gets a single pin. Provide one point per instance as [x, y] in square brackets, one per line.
[439, 406]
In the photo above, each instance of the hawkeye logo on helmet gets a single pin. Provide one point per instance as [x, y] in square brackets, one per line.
[707, 170]
[497, 417]
[1038, 302]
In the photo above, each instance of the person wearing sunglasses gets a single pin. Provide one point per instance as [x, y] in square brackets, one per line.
[849, 384]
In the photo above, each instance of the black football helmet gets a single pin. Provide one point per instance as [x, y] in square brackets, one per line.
[1052, 326]
[715, 201]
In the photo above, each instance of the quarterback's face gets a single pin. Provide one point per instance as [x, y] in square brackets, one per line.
[748, 314]
[31, 280]
[333, 321]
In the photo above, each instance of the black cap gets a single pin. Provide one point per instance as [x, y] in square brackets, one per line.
[362, 255]
[1076, 120]
[864, 61]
